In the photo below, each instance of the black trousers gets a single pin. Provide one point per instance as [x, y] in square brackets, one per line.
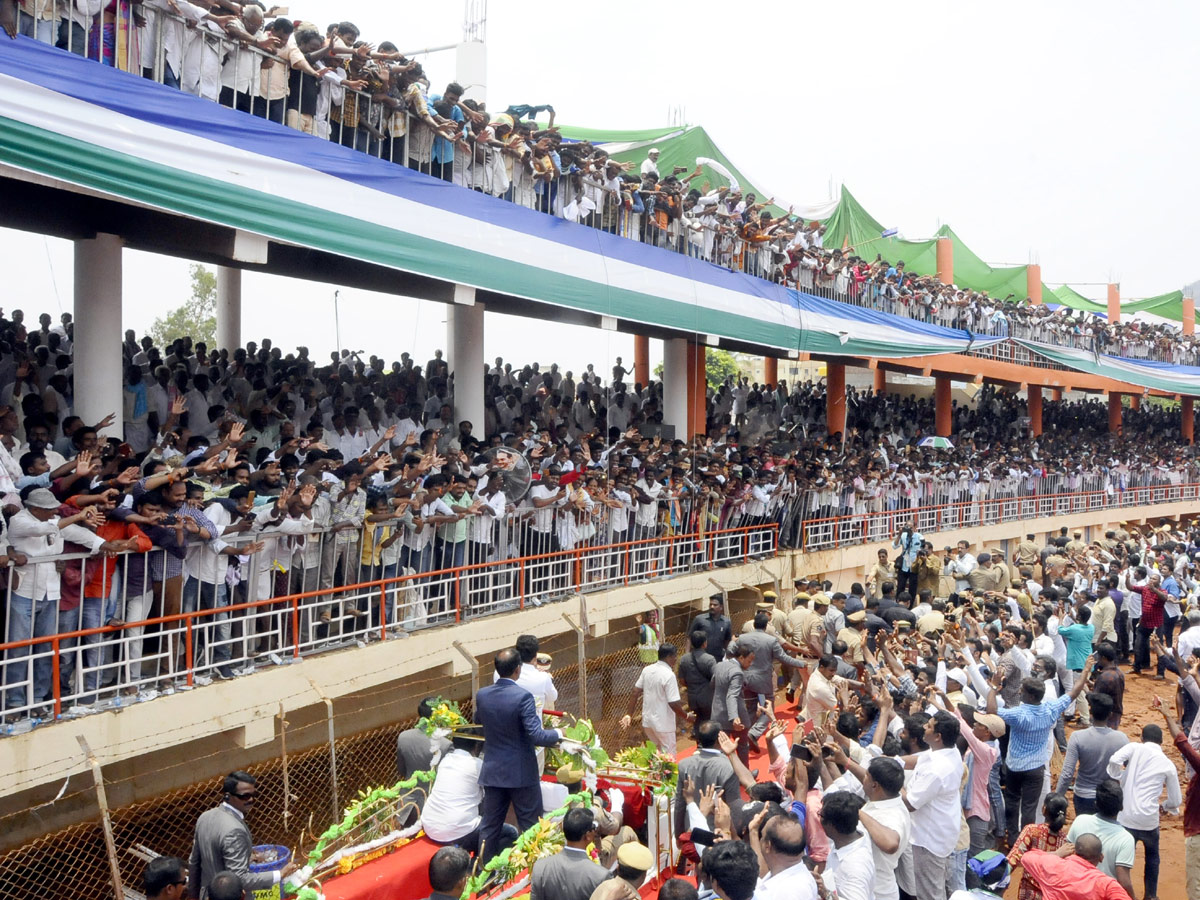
[1021, 792]
[526, 802]
[906, 581]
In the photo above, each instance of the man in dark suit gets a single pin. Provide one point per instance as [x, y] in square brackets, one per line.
[570, 874]
[448, 873]
[696, 668]
[759, 680]
[222, 841]
[728, 699]
[708, 765]
[511, 731]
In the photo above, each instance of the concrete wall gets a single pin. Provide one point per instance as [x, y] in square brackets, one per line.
[150, 748]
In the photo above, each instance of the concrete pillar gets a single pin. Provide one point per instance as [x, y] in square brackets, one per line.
[1189, 315]
[835, 397]
[1114, 412]
[471, 68]
[676, 384]
[229, 309]
[464, 342]
[1114, 303]
[1135, 401]
[945, 260]
[99, 375]
[641, 359]
[697, 390]
[1033, 283]
[1056, 395]
[1188, 421]
[943, 414]
[1035, 409]
[880, 381]
[770, 370]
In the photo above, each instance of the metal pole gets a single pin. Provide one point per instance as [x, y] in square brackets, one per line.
[721, 588]
[333, 783]
[470, 657]
[337, 326]
[110, 845]
[580, 635]
[287, 797]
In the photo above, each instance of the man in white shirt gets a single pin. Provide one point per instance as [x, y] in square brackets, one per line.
[1144, 770]
[851, 863]
[451, 812]
[933, 797]
[658, 689]
[533, 679]
[650, 163]
[35, 532]
[780, 848]
[887, 821]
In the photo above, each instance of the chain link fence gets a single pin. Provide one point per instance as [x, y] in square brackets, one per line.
[73, 861]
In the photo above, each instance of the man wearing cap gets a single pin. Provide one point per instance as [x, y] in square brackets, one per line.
[36, 532]
[805, 630]
[634, 860]
[610, 811]
[982, 733]
[658, 690]
[777, 622]
[853, 635]
[716, 625]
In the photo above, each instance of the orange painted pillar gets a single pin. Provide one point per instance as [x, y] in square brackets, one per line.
[1135, 401]
[835, 397]
[1114, 412]
[1035, 410]
[697, 390]
[1033, 283]
[1188, 421]
[1114, 303]
[1056, 395]
[770, 370]
[1189, 315]
[945, 260]
[641, 359]
[943, 415]
[880, 381]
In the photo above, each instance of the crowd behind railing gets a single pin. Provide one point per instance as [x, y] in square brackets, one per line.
[254, 494]
[331, 83]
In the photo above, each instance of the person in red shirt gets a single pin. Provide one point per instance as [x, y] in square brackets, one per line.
[1153, 599]
[1191, 803]
[1073, 877]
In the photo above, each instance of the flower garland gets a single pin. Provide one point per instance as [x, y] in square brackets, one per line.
[365, 806]
[543, 838]
[447, 717]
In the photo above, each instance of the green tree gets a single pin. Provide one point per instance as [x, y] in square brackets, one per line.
[197, 318]
[719, 365]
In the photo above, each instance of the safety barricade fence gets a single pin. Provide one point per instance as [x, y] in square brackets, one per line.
[859, 528]
[66, 658]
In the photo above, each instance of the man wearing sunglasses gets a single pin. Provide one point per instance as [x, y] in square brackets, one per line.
[165, 878]
[223, 842]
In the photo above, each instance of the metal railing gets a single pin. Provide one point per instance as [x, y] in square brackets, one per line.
[197, 55]
[73, 670]
[860, 528]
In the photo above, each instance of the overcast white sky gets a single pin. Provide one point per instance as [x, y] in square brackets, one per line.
[1060, 132]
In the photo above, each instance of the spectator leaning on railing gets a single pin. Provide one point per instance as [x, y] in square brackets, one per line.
[369, 97]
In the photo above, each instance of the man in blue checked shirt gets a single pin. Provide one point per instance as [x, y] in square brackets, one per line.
[1029, 726]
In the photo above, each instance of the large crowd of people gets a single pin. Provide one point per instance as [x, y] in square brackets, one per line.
[332, 83]
[930, 744]
[248, 475]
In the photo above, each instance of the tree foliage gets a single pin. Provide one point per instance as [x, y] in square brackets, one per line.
[197, 318]
[719, 365]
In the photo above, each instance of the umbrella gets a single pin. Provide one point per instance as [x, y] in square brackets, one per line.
[938, 443]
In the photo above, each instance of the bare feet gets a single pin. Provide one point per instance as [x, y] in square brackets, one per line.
[8, 17]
